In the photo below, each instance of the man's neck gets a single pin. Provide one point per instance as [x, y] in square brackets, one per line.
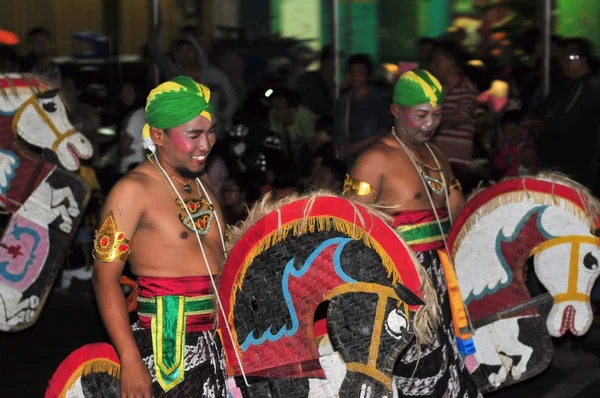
[167, 167]
[360, 92]
[413, 146]
[43, 63]
[584, 72]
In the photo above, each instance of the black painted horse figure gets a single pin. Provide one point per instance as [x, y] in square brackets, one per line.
[292, 256]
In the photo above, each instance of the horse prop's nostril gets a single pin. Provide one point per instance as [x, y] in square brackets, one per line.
[590, 262]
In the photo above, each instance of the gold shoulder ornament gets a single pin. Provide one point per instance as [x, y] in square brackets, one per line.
[110, 244]
[356, 187]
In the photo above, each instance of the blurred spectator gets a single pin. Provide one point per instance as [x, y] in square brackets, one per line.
[457, 129]
[293, 122]
[316, 87]
[301, 56]
[131, 149]
[361, 115]
[284, 184]
[325, 146]
[41, 62]
[330, 175]
[234, 195]
[570, 141]
[233, 66]
[512, 138]
[190, 60]
[9, 60]
[424, 48]
[85, 118]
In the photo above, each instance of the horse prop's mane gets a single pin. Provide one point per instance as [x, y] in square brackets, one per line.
[587, 210]
[425, 319]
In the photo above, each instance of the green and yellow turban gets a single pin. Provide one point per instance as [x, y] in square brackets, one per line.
[417, 87]
[174, 103]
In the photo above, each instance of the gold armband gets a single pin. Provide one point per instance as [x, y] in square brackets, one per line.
[110, 244]
[355, 187]
[455, 184]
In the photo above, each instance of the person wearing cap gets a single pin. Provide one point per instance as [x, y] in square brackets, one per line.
[163, 218]
[412, 180]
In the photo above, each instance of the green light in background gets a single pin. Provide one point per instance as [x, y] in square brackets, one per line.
[578, 18]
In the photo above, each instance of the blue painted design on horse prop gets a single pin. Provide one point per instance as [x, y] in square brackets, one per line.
[7, 113]
[9, 162]
[290, 270]
[500, 239]
[17, 233]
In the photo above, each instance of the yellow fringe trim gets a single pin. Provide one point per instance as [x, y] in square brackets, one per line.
[312, 225]
[98, 365]
[539, 198]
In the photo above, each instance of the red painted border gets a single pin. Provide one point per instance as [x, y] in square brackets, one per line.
[323, 206]
[74, 361]
[514, 185]
[24, 81]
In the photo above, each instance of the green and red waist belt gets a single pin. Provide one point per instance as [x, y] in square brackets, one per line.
[170, 307]
[420, 228]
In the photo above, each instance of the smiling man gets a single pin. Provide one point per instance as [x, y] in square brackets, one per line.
[151, 218]
[412, 180]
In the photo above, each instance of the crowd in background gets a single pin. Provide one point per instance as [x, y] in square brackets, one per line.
[289, 133]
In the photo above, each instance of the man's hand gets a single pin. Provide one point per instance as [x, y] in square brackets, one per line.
[135, 379]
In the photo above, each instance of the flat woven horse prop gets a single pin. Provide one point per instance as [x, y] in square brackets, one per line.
[285, 261]
[44, 201]
[550, 220]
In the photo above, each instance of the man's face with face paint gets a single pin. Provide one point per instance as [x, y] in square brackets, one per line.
[187, 146]
[417, 124]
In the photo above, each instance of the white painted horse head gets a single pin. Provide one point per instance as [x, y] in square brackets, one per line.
[40, 118]
[567, 265]
[548, 217]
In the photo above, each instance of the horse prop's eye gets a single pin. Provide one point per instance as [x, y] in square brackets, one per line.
[396, 324]
[590, 262]
[49, 107]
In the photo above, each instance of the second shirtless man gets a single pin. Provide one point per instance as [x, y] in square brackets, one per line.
[413, 180]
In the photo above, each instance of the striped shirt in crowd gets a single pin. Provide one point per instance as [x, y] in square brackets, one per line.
[457, 141]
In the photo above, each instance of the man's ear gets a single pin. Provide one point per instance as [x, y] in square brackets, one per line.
[157, 136]
[396, 109]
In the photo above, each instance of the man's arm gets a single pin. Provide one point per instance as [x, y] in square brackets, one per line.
[365, 180]
[121, 214]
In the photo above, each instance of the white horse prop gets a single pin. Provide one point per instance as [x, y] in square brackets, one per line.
[44, 201]
[551, 219]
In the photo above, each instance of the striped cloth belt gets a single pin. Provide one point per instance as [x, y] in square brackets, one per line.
[424, 233]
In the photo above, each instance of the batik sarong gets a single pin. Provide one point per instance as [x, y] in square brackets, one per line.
[437, 370]
[177, 339]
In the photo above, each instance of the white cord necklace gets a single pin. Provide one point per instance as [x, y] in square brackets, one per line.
[212, 280]
[427, 190]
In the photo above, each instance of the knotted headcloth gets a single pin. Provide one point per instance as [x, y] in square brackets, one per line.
[416, 87]
[174, 103]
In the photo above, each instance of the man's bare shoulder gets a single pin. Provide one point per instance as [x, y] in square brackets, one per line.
[378, 150]
[135, 183]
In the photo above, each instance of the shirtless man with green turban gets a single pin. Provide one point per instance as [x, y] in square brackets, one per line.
[412, 179]
[164, 219]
